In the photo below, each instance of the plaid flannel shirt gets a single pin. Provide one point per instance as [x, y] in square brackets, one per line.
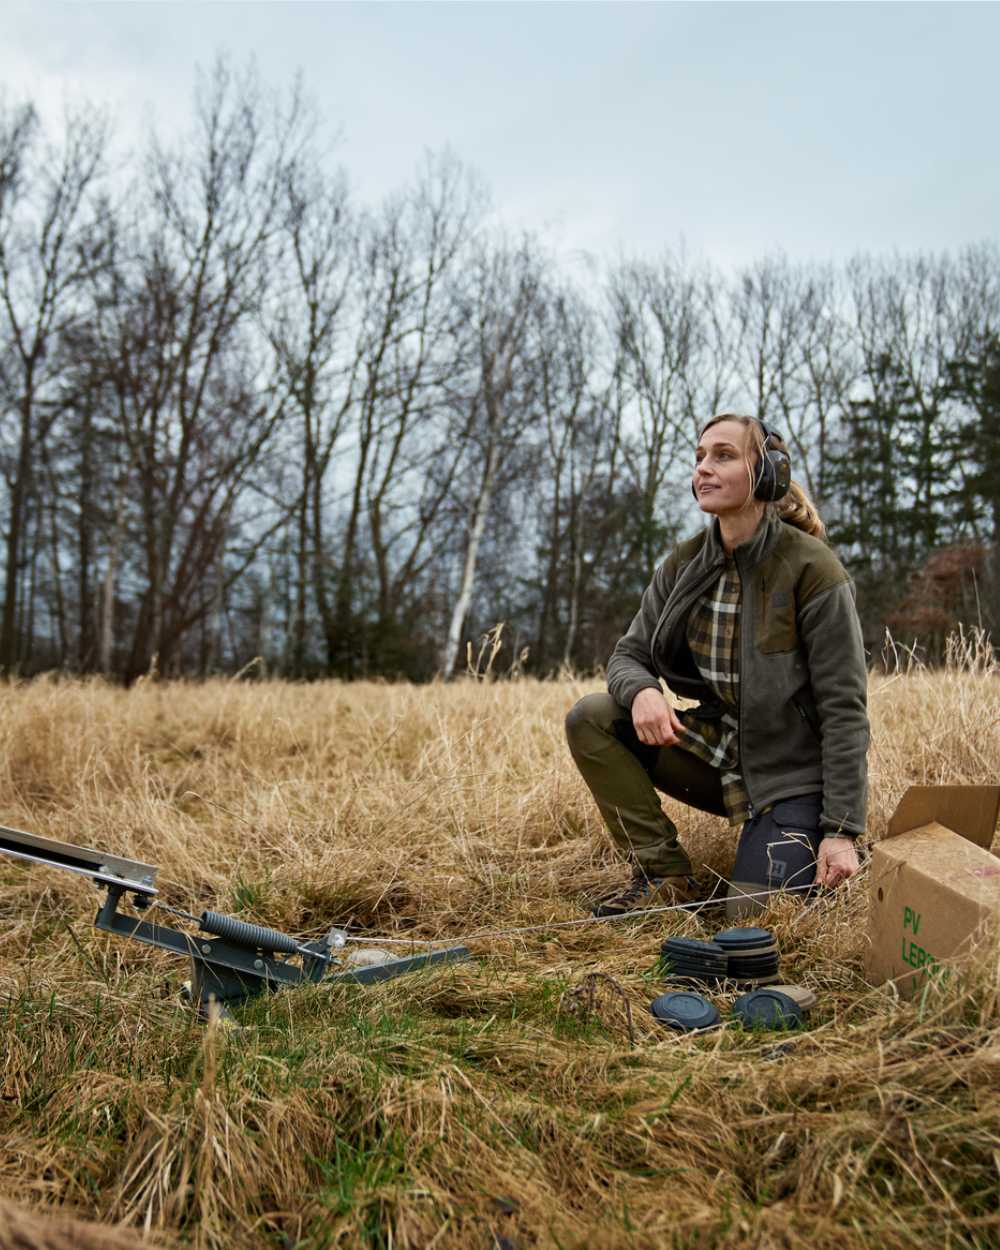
[713, 634]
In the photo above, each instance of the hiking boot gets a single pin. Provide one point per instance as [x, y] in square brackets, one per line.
[643, 891]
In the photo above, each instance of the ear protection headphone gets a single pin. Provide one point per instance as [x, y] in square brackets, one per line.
[774, 470]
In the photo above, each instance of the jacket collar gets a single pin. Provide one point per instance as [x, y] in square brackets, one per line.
[749, 553]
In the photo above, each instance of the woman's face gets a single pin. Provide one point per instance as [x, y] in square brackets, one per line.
[721, 481]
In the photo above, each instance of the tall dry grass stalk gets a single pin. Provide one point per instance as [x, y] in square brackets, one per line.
[461, 1108]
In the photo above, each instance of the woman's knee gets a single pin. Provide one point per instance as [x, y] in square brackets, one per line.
[593, 713]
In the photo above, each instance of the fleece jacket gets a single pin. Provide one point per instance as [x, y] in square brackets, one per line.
[803, 722]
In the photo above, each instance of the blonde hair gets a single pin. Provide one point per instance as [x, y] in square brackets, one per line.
[796, 508]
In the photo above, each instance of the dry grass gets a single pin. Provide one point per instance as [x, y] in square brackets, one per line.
[459, 1108]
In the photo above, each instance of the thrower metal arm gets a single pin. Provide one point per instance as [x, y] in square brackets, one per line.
[130, 874]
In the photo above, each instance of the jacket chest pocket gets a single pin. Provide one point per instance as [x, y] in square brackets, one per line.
[775, 624]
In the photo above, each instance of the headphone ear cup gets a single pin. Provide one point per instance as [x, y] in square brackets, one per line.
[775, 475]
[765, 475]
[782, 474]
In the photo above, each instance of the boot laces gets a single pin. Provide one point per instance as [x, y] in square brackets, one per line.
[639, 885]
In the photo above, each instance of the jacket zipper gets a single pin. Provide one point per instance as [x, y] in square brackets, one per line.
[806, 721]
[751, 809]
[696, 590]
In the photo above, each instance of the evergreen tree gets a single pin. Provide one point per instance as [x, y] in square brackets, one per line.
[890, 473]
[974, 382]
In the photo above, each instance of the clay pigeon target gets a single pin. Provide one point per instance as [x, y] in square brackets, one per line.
[685, 1012]
[767, 1009]
[744, 939]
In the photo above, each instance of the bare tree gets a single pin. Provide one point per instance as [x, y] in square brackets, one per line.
[503, 285]
[310, 333]
[50, 242]
[183, 352]
[411, 358]
[794, 357]
[664, 371]
[574, 453]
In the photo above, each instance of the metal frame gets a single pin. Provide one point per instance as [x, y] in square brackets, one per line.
[238, 962]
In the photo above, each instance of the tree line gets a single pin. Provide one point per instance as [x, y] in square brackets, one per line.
[244, 415]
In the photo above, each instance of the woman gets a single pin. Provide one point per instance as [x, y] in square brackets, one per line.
[755, 618]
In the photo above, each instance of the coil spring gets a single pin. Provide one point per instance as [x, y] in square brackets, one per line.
[255, 936]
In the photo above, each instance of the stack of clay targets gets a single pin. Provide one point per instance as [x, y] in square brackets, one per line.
[693, 960]
[685, 1012]
[752, 955]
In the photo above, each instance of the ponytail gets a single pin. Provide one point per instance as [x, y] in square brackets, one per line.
[799, 510]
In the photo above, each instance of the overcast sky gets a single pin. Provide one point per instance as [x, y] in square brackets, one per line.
[735, 129]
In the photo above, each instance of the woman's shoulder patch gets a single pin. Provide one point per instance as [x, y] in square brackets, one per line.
[816, 565]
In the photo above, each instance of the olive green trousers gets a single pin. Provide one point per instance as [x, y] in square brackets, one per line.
[624, 775]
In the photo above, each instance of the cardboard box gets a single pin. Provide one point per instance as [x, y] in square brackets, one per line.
[934, 900]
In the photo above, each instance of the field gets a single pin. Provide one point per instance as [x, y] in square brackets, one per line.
[475, 1106]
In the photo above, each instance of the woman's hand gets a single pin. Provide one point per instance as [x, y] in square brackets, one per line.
[655, 721]
[836, 861]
